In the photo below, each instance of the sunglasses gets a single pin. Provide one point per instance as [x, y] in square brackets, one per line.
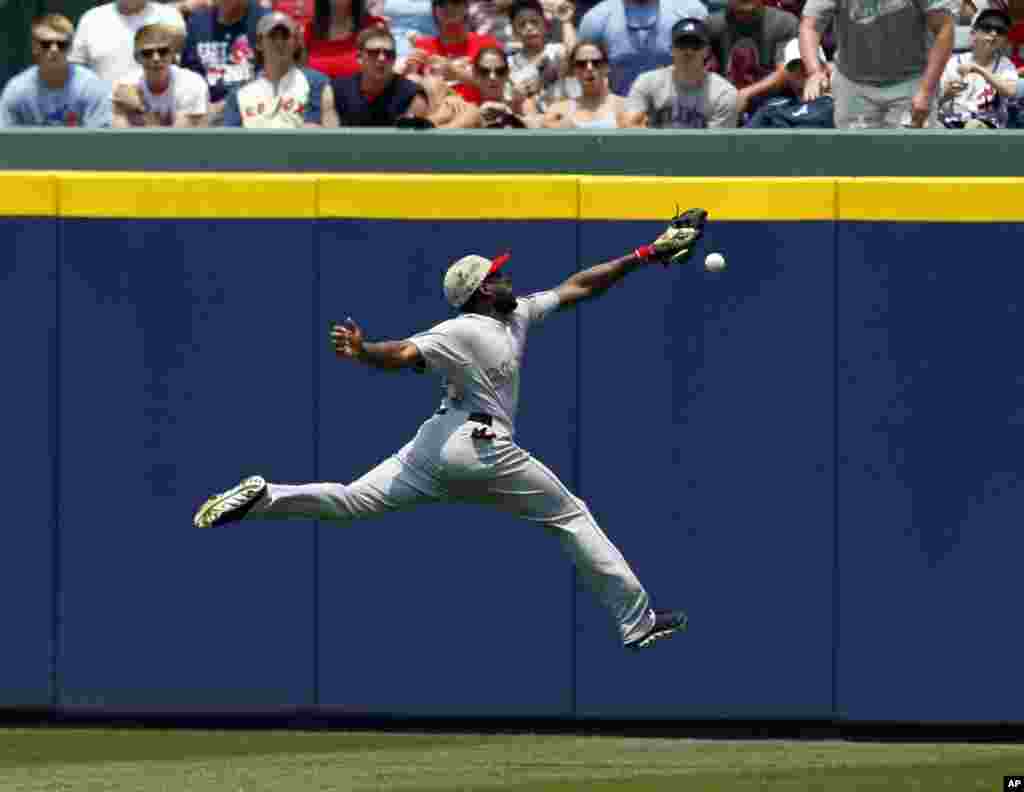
[582, 63]
[376, 52]
[147, 53]
[48, 44]
[496, 73]
[996, 30]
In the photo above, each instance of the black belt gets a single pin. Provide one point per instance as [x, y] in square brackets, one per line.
[475, 417]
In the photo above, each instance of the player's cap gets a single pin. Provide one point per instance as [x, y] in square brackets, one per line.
[791, 53]
[276, 19]
[690, 29]
[465, 276]
[997, 17]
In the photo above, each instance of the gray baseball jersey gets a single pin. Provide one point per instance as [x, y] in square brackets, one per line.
[879, 41]
[670, 105]
[479, 359]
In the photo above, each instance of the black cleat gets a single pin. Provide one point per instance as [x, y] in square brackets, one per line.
[666, 623]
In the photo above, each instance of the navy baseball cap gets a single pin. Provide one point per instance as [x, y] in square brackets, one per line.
[690, 28]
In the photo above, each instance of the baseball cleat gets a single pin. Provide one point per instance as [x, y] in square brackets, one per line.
[666, 623]
[231, 505]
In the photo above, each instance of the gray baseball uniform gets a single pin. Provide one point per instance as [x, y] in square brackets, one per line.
[479, 359]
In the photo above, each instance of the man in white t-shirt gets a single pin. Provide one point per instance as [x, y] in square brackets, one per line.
[977, 85]
[466, 452]
[684, 95]
[104, 40]
[165, 94]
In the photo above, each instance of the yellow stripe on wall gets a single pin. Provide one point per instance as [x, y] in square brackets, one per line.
[187, 195]
[932, 200]
[28, 194]
[448, 197]
[646, 198]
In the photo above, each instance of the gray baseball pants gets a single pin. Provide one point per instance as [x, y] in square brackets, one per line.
[446, 463]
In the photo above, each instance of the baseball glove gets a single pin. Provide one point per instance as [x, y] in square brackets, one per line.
[676, 244]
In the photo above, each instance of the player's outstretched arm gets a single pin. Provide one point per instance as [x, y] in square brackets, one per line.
[347, 339]
[673, 246]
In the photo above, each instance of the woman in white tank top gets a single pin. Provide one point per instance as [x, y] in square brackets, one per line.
[596, 107]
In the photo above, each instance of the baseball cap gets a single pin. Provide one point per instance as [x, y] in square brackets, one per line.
[465, 276]
[690, 28]
[792, 53]
[994, 14]
[273, 20]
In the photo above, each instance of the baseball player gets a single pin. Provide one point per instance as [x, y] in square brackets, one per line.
[466, 452]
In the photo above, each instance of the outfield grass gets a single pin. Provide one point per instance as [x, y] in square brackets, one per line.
[148, 760]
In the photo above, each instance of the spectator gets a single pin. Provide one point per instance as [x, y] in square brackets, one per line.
[747, 40]
[497, 109]
[54, 92]
[636, 34]
[597, 107]
[219, 47]
[451, 54]
[885, 74]
[684, 95]
[105, 39]
[376, 95]
[789, 110]
[409, 20]
[976, 85]
[285, 95]
[538, 67]
[332, 36]
[165, 95]
[492, 18]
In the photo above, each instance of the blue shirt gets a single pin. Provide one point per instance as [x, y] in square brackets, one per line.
[223, 54]
[84, 101]
[638, 37]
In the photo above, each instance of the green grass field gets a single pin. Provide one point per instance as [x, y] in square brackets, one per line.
[147, 760]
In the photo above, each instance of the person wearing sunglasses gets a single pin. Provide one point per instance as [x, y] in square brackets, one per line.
[449, 56]
[166, 94]
[105, 38]
[597, 107]
[331, 38]
[888, 62]
[637, 34]
[375, 96]
[54, 92]
[685, 95]
[501, 107]
[977, 84]
[285, 95]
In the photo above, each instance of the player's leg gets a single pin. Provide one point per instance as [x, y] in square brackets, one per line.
[525, 487]
[390, 486]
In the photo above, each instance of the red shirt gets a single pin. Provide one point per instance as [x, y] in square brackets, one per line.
[468, 48]
[337, 57]
[1016, 38]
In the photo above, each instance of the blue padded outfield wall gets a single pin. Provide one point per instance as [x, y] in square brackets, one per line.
[815, 452]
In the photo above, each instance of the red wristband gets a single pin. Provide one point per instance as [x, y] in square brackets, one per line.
[644, 252]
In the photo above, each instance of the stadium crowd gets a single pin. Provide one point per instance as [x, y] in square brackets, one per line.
[529, 64]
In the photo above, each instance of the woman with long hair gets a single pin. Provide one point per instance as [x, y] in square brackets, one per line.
[596, 107]
[331, 35]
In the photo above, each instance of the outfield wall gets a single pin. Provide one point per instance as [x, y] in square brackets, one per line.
[814, 452]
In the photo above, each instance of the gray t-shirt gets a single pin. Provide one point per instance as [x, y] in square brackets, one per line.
[879, 42]
[479, 358]
[669, 105]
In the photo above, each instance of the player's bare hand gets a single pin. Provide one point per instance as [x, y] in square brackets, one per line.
[347, 339]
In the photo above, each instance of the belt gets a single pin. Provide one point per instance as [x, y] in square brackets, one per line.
[476, 417]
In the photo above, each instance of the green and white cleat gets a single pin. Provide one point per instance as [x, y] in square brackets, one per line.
[232, 505]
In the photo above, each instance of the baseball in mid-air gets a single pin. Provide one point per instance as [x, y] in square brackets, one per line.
[715, 262]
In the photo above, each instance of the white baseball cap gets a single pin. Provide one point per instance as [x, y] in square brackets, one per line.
[792, 53]
[465, 276]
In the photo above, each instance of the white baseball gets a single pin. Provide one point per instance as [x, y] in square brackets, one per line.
[715, 262]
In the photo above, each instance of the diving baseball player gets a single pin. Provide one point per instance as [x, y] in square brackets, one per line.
[466, 452]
